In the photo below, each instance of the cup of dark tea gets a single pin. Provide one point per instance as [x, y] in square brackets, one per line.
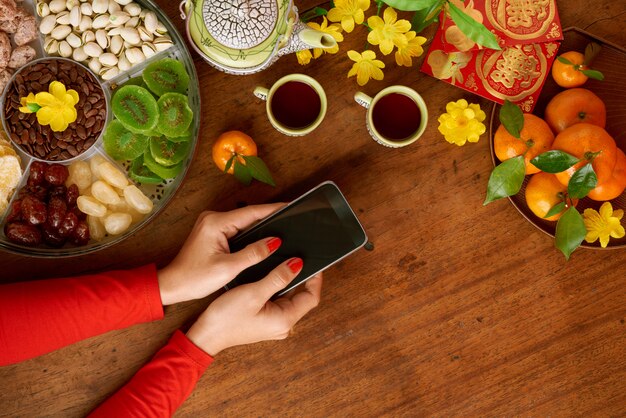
[295, 104]
[396, 116]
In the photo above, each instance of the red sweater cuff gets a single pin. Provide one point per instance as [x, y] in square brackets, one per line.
[152, 294]
[189, 349]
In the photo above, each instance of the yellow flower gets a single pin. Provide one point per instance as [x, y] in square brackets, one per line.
[365, 66]
[462, 122]
[304, 56]
[411, 48]
[605, 224]
[333, 30]
[348, 12]
[28, 104]
[56, 106]
[387, 32]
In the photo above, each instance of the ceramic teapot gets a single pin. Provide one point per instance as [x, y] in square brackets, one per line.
[247, 36]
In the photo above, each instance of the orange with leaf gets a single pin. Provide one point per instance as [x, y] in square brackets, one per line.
[546, 197]
[572, 69]
[235, 152]
[614, 186]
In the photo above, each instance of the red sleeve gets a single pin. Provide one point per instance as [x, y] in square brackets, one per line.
[162, 385]
[41, 316]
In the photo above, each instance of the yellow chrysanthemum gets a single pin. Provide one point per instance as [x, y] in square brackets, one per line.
[365, 66]
[56, 106]
[462, 122]
[387, 32]
[349, 13]
[333, 30]
[411, 48]
[603, 224]
[304, 56]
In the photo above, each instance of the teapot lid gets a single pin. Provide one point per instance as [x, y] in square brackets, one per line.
[238, 35]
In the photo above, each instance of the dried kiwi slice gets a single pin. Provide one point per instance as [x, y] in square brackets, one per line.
[166, 75]
[160, 170]
[136, 108]
[122, 144]
[141, 174]
[168, 153]
[175, 115]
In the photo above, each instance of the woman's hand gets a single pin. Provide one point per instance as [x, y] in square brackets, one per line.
[245, 314]
[205, 264]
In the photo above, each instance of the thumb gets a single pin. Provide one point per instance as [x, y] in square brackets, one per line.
[278, 279]
[253, 253]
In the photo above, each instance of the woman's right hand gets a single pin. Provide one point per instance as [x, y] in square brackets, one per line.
[246, 315]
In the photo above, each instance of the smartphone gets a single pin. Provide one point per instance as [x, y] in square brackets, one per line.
[319, 227]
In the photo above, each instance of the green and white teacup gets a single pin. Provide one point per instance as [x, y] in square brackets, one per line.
[295, 104]
[396, 116]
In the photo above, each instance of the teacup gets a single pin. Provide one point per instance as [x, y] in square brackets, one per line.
[295, 104]
[396, 116]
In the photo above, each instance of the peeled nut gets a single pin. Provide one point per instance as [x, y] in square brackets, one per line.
[104, 193]
[112, 175]
[137, 200]
[96, 228]
[117, 223]
[90, 206]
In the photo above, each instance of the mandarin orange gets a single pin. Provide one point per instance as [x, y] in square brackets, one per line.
[575, 106]
[543, 192]
[616, 184]
[535, 138]
[229, 144]
[567, 75]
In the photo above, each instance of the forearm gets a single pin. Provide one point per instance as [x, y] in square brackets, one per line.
[162, 385]
[41, 316]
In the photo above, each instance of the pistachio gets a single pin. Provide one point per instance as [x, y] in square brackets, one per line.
[133, 22]
[79, 54]
[134, 55]
[115, 31]
[123, 64]
[100, 21]
[145, 35]
[114, 7]
[74, 40]
[108, 73]
[148, 49]
[88, 36]
[108, 59]
[63, 18]
[132, 9]
[92, 49]
[161, 29]
[86, 9]
[47, 24]
[51, 46]
[57, 6]
[123, 2]
[69, 4]
[94, 65]
[130, 35]
[61, 32]
[99, 6]
[117, 43]
[75, 16]
[162, 43]
[65, 50]
[102, 38]
[151, 22]
[43, 9]
[118, 18]
[85, 23]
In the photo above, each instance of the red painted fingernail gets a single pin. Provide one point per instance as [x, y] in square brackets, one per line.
[295, 264]
[273, 244]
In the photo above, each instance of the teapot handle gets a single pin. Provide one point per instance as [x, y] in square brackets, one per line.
[185, 7]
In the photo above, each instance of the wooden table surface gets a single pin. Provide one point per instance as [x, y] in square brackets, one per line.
[460, 309]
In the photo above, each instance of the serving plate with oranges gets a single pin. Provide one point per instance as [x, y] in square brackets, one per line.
[586, 121]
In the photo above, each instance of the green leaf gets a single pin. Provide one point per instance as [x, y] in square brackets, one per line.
[582, 182]
[554, 161]
[591, 52]
[410, 5]
[242, 173]
[425, 17]
[477, 32]
[506, 179]
[595, 74]
[570, 232]
[512, 118]
[259, 170]
[555, 210]
[564, 60]
[229, 163]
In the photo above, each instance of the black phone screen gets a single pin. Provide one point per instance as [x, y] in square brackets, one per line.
[320, 227]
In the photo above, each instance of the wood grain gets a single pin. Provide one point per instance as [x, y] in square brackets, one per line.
[460, 309]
